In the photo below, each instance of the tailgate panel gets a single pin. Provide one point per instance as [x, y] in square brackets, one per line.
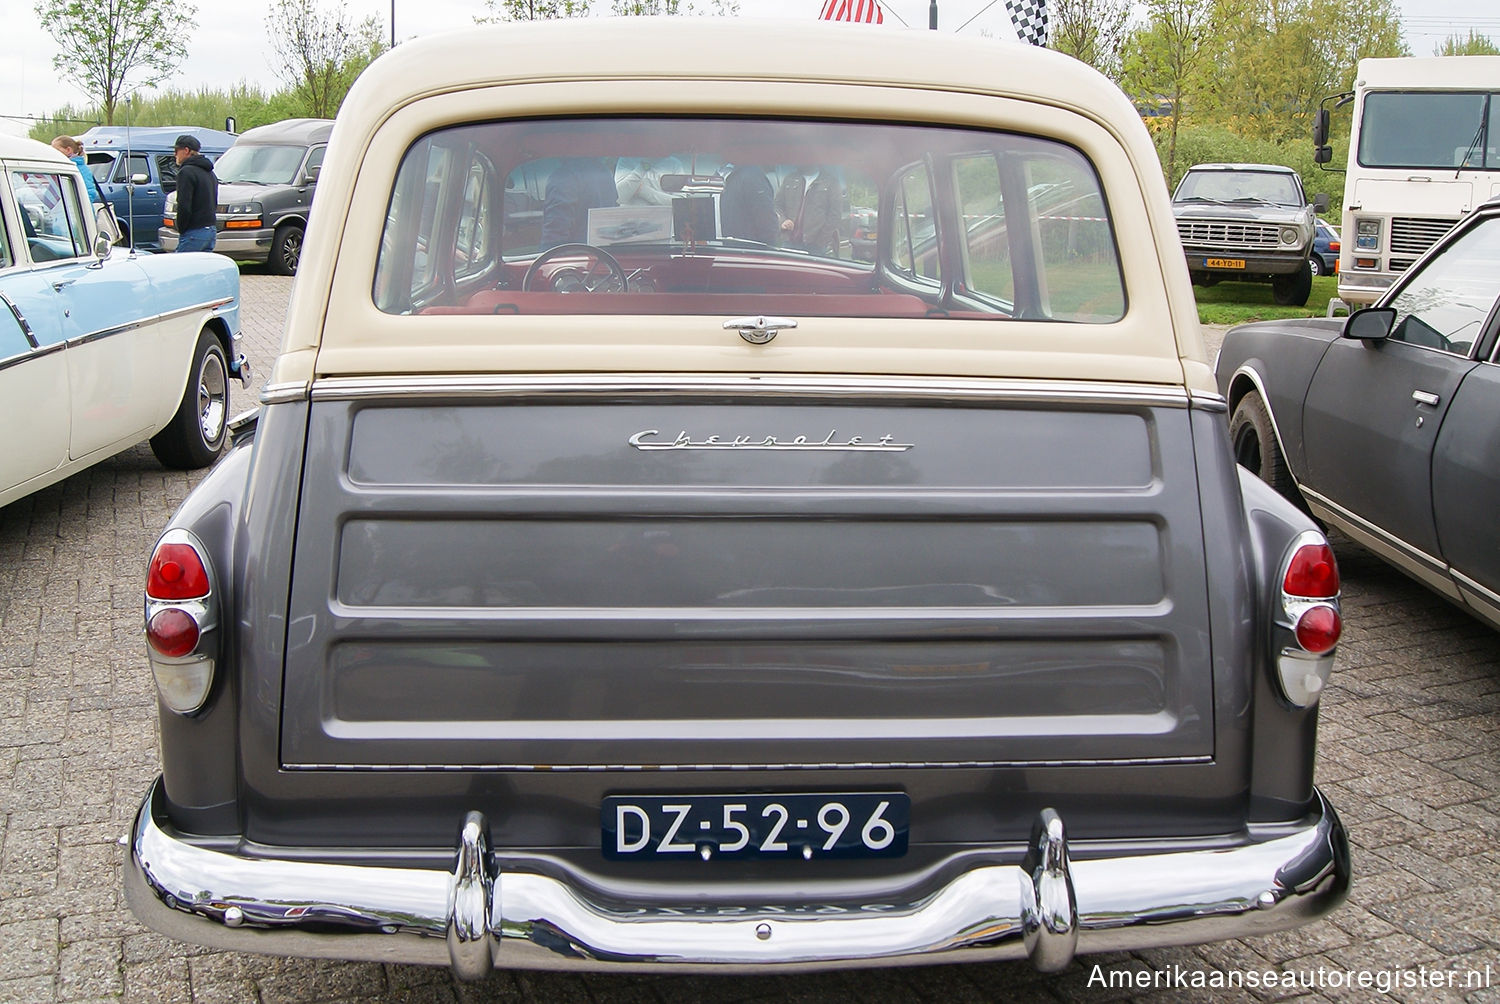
[513, 584]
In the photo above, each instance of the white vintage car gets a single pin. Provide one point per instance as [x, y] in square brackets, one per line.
[101, 349]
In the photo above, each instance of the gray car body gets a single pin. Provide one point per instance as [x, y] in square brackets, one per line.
[285, 209]
[459, 610]
[1337, 401]
[1221, 230]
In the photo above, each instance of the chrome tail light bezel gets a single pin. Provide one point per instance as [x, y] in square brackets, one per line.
[184, 682]
[1302, 674]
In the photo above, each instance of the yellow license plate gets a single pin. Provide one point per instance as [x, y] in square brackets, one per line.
[1224, 263]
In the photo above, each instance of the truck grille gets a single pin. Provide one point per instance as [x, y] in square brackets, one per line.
[1227, 234]
[1410, 239]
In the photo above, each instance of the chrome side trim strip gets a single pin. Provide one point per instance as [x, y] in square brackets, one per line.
[283, 393]
[120, 329]
[1409, 558]
[897, 388]
[539, 915]
[103, 333]
[26, 357]
[1480, 591]
[1171, 761]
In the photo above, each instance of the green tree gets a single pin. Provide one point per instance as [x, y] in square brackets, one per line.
[1474, 45]
[1163, 59]
[642, 8]
[1093, 31]
[103, 44]
[1350, 30]
[318, 54]
[1271, 72]
[533, 10]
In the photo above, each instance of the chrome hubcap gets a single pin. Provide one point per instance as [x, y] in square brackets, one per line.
[213, 397]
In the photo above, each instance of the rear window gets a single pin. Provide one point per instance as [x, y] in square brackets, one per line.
[741, 216]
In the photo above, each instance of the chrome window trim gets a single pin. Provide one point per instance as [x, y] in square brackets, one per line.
[887, 389]
[20, 319]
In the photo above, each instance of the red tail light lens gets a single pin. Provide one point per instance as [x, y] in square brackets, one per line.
[1318, 629]
[172, 632]
[1312, 573]
[176, 572]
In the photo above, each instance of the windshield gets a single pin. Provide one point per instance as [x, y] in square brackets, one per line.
[747, 216]
[1430, 130]
[260, 164]
[1273, 187]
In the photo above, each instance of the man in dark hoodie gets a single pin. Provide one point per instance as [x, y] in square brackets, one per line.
[197, 197]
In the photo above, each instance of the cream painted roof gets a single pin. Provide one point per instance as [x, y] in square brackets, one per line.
[803, 68]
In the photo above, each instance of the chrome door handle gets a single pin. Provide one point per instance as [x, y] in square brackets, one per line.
[1423, 397]
[62, 284]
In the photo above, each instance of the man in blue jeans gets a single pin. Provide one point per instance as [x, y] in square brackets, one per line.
[197, 197]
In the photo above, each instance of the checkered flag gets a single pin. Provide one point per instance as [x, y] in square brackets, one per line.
[1030, 19]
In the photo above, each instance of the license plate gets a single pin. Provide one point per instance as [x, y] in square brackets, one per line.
[1223, 263]
[652, 827]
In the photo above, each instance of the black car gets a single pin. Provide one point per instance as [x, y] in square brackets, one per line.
[1386, 424]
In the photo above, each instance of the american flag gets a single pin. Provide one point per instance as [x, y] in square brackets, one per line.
[863, 11]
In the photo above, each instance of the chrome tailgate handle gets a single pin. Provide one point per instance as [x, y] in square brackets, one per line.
[759, 330]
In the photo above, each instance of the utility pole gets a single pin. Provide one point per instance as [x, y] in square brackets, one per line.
[393, 24]
[931, 14]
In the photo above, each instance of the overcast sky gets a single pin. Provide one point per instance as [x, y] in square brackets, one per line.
[229, 44]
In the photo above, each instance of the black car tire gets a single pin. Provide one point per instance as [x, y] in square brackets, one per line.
[1256, 448]
[1293, 290]
[198, 431]
[1316, 265]
[286, 249]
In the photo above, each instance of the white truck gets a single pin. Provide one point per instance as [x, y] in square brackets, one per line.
[1424, 151]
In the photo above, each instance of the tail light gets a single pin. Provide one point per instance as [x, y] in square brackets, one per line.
[182, 619]
[1311, 618]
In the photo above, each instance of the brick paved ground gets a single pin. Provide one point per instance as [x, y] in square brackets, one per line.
[1410, 754]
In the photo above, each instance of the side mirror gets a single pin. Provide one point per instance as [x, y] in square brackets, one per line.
[1320, 202]
[1320, 129]
[1323, 154]
[140, 179]
[311, 177]
[1372, 324]
[102, 244]
[230, 123]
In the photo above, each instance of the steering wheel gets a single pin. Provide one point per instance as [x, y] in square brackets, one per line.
[585, 279]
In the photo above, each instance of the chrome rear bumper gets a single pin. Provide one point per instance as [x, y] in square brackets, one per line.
[494, 911]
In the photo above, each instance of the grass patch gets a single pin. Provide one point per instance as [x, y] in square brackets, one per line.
[1238, 302]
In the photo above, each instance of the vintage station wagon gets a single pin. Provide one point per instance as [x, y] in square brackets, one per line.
[625, 573]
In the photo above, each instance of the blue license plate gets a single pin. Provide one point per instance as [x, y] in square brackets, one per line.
[710, 827]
